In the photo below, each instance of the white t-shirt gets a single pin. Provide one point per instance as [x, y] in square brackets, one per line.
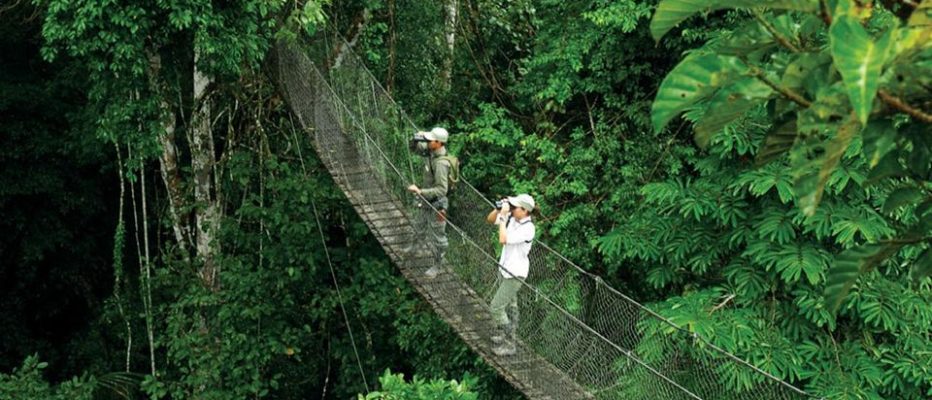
[514, 259]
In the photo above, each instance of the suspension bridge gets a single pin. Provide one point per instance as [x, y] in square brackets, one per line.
[579, 338]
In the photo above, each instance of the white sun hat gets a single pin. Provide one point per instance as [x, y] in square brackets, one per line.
[523, 200]
[438, 134]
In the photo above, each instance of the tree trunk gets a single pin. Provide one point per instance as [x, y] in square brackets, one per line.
[390, 79]
[450, 36]
[203, 159]
[342, 47]
[168, 160]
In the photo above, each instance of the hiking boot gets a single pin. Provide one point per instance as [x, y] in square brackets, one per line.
[505, 349]
[432, 272]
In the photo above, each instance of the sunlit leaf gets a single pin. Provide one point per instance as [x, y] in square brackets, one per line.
[922, 15]
[695, 77]
[879, 139]
[859, 60]
[671, 12]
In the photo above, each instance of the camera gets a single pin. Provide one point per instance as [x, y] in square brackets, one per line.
[418, 143]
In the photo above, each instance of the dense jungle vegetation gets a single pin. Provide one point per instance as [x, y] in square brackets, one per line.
[756, 171]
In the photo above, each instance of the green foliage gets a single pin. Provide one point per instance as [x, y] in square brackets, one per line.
[275, 329]
[858, 101]
[820, 293]
[260, 344]
[728, 238]
[26, 382]
[553, 98]
[394, 387]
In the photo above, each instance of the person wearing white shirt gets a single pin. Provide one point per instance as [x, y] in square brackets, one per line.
[515, 233]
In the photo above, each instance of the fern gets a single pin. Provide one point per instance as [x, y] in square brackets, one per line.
[750, 284]
[802, 258]
[776, 225]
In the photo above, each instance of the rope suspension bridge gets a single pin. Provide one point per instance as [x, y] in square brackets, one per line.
[579, 338]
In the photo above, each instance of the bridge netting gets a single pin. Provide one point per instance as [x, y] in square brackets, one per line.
[609, 344]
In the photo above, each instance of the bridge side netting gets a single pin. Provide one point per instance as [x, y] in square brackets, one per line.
[608, 343]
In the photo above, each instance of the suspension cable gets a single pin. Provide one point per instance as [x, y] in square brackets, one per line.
[333, 275]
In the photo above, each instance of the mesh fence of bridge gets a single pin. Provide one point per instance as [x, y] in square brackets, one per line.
[610, 345]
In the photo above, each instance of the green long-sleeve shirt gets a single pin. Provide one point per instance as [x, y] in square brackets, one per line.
[437, 179]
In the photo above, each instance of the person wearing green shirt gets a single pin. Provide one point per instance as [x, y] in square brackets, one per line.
[441, 172]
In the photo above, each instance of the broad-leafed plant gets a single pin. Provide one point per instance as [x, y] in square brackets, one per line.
[839, 79]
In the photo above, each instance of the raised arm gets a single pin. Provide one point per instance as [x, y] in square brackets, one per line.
[503, 216]
[491, 217]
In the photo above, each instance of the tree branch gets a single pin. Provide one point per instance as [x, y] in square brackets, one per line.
[776, 35]
[722, 304]
[901, 105]
[788, 93]
[824, 12]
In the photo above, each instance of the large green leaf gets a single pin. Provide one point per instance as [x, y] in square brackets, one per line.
[692, 79]
[859, 60]
[809, 187]
[800, 69]
[922, 15]
[729, 104]
[849, 265]
[671, 12]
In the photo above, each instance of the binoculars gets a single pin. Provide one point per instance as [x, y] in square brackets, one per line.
[418, 143]
[499, 204]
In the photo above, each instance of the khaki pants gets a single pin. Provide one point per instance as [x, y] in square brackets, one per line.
[505, 306]
[433, 232]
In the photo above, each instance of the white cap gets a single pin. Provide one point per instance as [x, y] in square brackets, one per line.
[438, 134]
[523, 200]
